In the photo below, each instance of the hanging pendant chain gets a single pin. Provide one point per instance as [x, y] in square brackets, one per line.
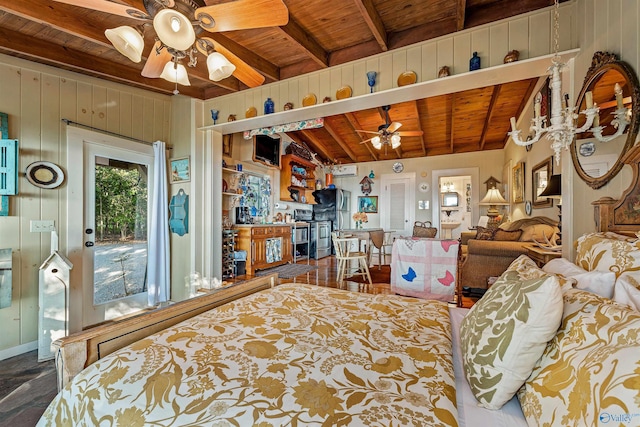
[556, 28]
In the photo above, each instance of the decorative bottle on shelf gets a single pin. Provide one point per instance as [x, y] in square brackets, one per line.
[474, 62]
[268, 106]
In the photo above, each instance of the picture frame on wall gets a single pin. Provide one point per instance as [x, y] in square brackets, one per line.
[540, 175]
[518, 182]
[368, 204]
[180, 170]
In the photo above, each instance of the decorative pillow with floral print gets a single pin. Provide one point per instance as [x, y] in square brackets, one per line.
[608, 252]
[589, 374]
[506, 331]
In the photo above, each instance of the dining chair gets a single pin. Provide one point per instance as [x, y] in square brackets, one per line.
[350, 263]
[376, 239]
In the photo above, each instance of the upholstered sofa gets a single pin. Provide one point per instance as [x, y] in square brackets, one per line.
[488, 253]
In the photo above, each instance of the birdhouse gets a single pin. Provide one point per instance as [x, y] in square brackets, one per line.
[53, 296]
[365, 185]
[491, 183]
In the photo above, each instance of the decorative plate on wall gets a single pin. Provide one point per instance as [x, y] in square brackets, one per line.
[424, 187]
[407, 78]
[527, 207]
[45, 175]
[343, 92]
[309, 100]
[251, 112]
[398, 167]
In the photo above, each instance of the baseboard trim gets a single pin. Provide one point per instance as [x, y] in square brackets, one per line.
[17, 350]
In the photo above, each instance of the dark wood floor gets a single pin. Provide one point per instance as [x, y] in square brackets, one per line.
[27, 386]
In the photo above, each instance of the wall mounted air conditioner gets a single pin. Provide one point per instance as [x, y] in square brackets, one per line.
[345, 170]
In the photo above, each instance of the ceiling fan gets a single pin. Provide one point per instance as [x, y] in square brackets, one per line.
[387, 134]
[179, 24]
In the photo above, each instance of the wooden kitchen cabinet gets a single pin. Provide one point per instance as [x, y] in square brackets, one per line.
[297, 179]
[266, 245]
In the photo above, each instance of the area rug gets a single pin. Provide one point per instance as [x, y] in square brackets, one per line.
[288, 271]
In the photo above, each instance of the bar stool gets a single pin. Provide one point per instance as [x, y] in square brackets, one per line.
[345, 256]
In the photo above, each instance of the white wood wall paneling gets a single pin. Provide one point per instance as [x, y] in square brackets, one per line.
[98, 108]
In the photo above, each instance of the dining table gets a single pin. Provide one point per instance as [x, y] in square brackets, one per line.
[362, 234]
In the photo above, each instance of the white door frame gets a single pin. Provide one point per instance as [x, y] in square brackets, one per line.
[409, 178]
[82, 311]
[474, 173]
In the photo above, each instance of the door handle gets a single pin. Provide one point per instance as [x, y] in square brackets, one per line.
[88, 244]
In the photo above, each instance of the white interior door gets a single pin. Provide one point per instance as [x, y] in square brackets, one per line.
[397, 201]
[112, 247]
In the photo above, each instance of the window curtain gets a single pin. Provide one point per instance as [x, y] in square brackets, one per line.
[158, 262]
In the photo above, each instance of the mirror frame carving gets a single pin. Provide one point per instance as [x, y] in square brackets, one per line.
[600, 64]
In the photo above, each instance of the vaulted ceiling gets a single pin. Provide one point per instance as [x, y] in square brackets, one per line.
[319, 34]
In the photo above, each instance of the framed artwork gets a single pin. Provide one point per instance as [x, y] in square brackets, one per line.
[506, 180]
[180, 170]
[518, 182]
[368, 204]
[227, 145]
[540, 175]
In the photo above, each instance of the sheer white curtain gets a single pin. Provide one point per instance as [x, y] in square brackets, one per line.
[158, 261]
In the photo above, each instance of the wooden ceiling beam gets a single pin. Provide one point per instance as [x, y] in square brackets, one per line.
[58, 56]
[421, 33]
[294, 32]
[461, 8]
[487, 120]
[417, 115]
[316, 145]
[340, 142]
[486, 12]
[353, 121]
[523, 104]
[374, 22]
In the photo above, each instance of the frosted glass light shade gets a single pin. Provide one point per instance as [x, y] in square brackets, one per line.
[375, 141]
[395, 141]
[174, 29]
[219, 67]
[127, 41]
[175, 73]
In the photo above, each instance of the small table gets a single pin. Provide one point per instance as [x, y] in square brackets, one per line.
[541, 256]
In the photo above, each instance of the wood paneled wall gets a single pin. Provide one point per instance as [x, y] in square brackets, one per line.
[36, 98]
[530, 34]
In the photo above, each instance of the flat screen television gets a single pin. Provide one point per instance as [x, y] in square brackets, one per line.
[266, 150]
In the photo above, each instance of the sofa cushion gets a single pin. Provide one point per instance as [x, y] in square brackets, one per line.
[507, 236]
[589, 374]
[608, 252]
[627, 291]
[506, 331]
[598, 282]
[539, 233]
[484, 233]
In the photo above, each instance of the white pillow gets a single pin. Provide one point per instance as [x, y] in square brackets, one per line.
[507, 330]
[597, 282]
[627, 291]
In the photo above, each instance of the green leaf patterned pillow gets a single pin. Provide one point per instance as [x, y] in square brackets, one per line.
[589, 374]
[507, 330]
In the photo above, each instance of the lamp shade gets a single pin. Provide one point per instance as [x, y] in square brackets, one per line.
[375, 141]
[493, 197]
[174, 29]
[127, 41]
[395, 141]
[219, 67]
[554, 187]
[175, 73]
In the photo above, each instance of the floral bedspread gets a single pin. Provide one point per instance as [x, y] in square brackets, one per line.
[292, 355]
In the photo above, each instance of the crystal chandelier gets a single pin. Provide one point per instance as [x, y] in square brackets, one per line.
[562, 128]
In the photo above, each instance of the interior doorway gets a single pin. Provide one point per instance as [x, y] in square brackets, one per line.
[455, 201]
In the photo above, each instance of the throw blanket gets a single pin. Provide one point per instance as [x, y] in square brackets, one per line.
[289, 356]
[424, 268]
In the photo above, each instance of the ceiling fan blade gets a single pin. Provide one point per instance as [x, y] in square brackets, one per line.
[411, 133]
[244, 72]
[242, 15]
[109, 7]
[366, 140]
[156, 62]
[394, 127]
[366, 131]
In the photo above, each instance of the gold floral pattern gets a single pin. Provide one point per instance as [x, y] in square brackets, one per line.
[589, 373]
[292, 355]
[608, 252]
[506, 331]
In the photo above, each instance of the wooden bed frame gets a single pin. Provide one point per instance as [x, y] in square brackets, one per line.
[77, 351]
[622, 216]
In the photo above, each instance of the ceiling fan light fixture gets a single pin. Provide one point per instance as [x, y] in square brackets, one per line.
[174, 29]
[175, 73]
[395, 141]
[375, 141]
[127, 40]
[219, 67]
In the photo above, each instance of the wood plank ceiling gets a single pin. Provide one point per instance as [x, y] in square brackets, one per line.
[319, 34]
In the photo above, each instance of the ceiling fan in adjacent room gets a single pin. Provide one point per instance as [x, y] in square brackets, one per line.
[387, 133]
[178, 25]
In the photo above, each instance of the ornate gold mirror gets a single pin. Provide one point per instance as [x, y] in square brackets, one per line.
[597, 162]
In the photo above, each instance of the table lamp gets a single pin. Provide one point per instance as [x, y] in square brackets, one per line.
[493, 198]
[554, 191]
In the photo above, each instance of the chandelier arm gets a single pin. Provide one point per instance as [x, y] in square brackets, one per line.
[590, 114]
[620, 123]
